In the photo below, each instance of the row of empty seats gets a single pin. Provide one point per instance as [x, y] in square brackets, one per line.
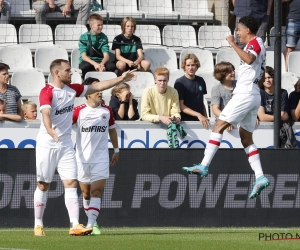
[67, 35]
[20, 57]
[142, 9]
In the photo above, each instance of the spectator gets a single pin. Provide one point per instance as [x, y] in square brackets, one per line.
[123, 104]
[294, 103]
[292, 28]
[266, 110]
[10, 95]
[29, 110]
[43, 7]
[222, 93]
[94, 49]
[259, 9]
[5, 12]
[160, 102]
[191, 90]
[128, 48]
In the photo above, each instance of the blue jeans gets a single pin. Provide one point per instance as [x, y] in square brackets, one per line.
[292, 33]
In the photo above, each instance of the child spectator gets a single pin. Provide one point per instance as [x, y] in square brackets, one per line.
[222, 93]
[94, 49]
[294, 103]
[160, 102]
[191, 89]
[128, 48]
[3, 115]
[29, 110]
[123, 104]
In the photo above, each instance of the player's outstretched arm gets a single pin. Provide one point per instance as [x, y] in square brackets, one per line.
[100, 86]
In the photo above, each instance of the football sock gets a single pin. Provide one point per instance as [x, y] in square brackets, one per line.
[211, 148]
[86, 204]
[72, 204]
[93, 211]
[254, 160]
[40, 200]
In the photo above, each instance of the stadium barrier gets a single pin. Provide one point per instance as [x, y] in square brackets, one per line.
[148, 188]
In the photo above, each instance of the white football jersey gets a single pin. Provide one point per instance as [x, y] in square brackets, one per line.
[92, 125]
[250, 74]
[61, 102]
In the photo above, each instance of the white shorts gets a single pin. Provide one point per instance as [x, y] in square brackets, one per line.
[242, 110]
[50, 159]
[91, 172]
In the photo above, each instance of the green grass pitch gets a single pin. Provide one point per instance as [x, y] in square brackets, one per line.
[151, 238]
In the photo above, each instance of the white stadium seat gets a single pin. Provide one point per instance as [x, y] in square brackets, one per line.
[213, 36]
[21, 8]
[288, 80]
[67, 35]
[158, 9]
[293, 60]
[229, 55]
[142, 81]
[174, 75]
[205, 57]
[111, 31]
[75, 54]
[35, 35]
[45, 55]
[270, 60]
[8, 35]
[17, 57]
[161, 57]
[179, 36]
[193, 10]
[149, 34]
[122, 8]
[210, 81]
[28, 81]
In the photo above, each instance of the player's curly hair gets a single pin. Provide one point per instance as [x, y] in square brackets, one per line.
[222, 69]
[251, 23]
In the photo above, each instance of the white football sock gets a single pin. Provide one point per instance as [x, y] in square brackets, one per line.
[93, 211]
[254, 160]
[72, 204]
[211, 148]
[40, 200]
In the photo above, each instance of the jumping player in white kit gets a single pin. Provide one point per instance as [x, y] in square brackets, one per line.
[243, 107]
[54, 149]
[93, 123]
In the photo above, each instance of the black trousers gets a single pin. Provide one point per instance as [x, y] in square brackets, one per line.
[87, 67]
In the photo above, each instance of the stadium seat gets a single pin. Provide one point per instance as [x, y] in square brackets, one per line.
[213, 36]
[122, 8]
[36, 100]
[8, 35]
[270, 60]
[210, 81]
[288, 80]
[196, 10]
[229, 55]
[158, 9]
[142, 81]
[67, 35]
[149, 34]
[161, 57]
[75, 54]
[35, 35]
[17, 57]
[174, 75]
[293, 60]
[205, 57]
[283, 39]
[111, 31]
[45, 55]
[28, 81]
[21, 8]
[76, 77]
[179, 37]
